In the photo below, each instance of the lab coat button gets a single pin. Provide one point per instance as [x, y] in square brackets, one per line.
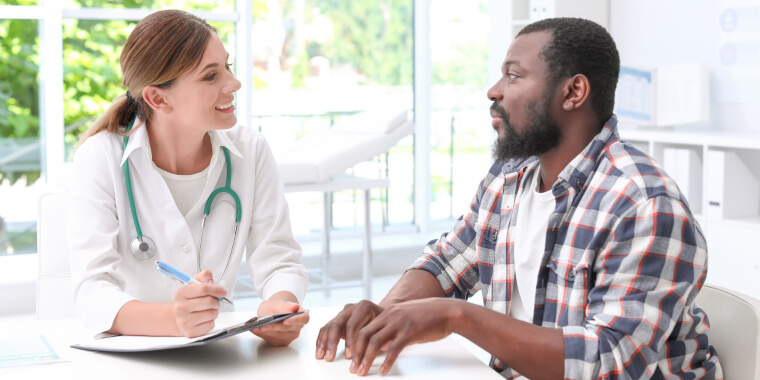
[186, 248]
[223, 283]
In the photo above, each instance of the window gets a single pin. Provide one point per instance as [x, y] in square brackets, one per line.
[460, 127]
[313, 62]
[317, 61]
[20, 183]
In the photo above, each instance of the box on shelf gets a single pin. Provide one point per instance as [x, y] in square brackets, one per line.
[684, 165]
[663, 96]
[733, 191]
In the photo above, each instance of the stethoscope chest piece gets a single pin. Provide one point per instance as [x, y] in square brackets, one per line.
[143, 248]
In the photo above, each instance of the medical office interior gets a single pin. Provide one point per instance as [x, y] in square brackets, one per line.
[386, 99]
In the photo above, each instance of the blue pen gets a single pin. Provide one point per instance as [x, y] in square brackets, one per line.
[174, 274]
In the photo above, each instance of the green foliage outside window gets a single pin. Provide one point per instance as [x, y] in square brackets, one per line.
[18, 78]
[373, 36]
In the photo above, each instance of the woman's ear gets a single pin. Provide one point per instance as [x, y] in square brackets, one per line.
[156, 99]
[577, 90]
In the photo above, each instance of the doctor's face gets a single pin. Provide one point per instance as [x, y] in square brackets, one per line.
[203, 97]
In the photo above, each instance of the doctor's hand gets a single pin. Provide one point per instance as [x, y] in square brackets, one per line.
[283, 332]
[196, 305]
[345, 325]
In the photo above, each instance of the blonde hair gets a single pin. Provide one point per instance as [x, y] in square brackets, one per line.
[163, 46]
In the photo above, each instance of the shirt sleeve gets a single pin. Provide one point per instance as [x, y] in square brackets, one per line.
[274, 258]
[653, 265]
[453, 258]
[93, 228]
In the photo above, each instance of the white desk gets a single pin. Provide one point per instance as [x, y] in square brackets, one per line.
[237, 357]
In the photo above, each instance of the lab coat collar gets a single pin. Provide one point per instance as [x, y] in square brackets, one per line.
[139, 139]
[221, 138]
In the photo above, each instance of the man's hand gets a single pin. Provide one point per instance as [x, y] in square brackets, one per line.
[284, 332]
[400, 325]
[345, 325]
[196, 305]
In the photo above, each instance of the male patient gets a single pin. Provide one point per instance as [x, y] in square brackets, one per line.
[587, 253]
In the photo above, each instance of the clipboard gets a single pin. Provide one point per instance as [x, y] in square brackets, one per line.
[126, 343]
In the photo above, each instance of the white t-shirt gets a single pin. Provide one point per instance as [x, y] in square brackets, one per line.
[530, 243]
[186, 189]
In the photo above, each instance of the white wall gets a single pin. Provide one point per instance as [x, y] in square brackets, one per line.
[654, 33]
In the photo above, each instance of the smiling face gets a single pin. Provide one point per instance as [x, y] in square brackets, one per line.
[203, 97]
[523, 100]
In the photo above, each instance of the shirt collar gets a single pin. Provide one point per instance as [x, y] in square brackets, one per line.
[516, 164]
[139, 139]
[580, 168]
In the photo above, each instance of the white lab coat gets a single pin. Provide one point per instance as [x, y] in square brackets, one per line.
[101, 227]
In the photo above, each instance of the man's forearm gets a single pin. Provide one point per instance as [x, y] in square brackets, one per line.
[534, 351]
[414, 284]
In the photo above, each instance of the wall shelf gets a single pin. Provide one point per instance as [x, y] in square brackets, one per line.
[718, 139]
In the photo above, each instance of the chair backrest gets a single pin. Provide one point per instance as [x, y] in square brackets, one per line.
[734, 330]
[55, 296]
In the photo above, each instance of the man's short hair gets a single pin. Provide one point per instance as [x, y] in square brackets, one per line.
[580, 46]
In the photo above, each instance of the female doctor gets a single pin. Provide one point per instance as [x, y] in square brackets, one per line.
[147, 172]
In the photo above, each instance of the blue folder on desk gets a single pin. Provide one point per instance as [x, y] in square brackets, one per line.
[126, 343]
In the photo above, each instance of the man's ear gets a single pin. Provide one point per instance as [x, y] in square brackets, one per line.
[576, 92]
[156, 99]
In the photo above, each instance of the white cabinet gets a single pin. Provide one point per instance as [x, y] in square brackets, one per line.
[525, 12]
[719, 172]
[594, 10]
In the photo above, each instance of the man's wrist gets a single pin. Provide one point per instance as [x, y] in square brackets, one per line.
[458, 315]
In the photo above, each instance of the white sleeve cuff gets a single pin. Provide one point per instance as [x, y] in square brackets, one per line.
[98, 310]
[289, 282]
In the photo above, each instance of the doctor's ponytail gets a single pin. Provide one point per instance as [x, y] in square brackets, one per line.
[163, 46]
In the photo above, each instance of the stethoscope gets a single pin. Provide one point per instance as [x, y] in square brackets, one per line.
[143, 248]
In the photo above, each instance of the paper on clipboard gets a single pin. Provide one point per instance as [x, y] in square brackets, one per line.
[28, 350]
[124, 343]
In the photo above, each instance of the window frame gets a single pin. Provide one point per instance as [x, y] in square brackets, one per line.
[51, 14]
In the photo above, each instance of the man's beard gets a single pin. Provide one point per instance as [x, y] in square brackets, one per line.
[539, 136]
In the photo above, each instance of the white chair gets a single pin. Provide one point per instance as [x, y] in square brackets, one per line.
[55, 295]
[734, 330]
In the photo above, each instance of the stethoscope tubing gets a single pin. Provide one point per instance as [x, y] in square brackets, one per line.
[128, 180]
[143, 248]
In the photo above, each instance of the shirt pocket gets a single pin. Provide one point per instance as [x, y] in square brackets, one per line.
[568, 287]
[485, 242]
[485, 248]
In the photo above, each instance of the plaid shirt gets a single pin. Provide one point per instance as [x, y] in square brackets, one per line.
[623, 262]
